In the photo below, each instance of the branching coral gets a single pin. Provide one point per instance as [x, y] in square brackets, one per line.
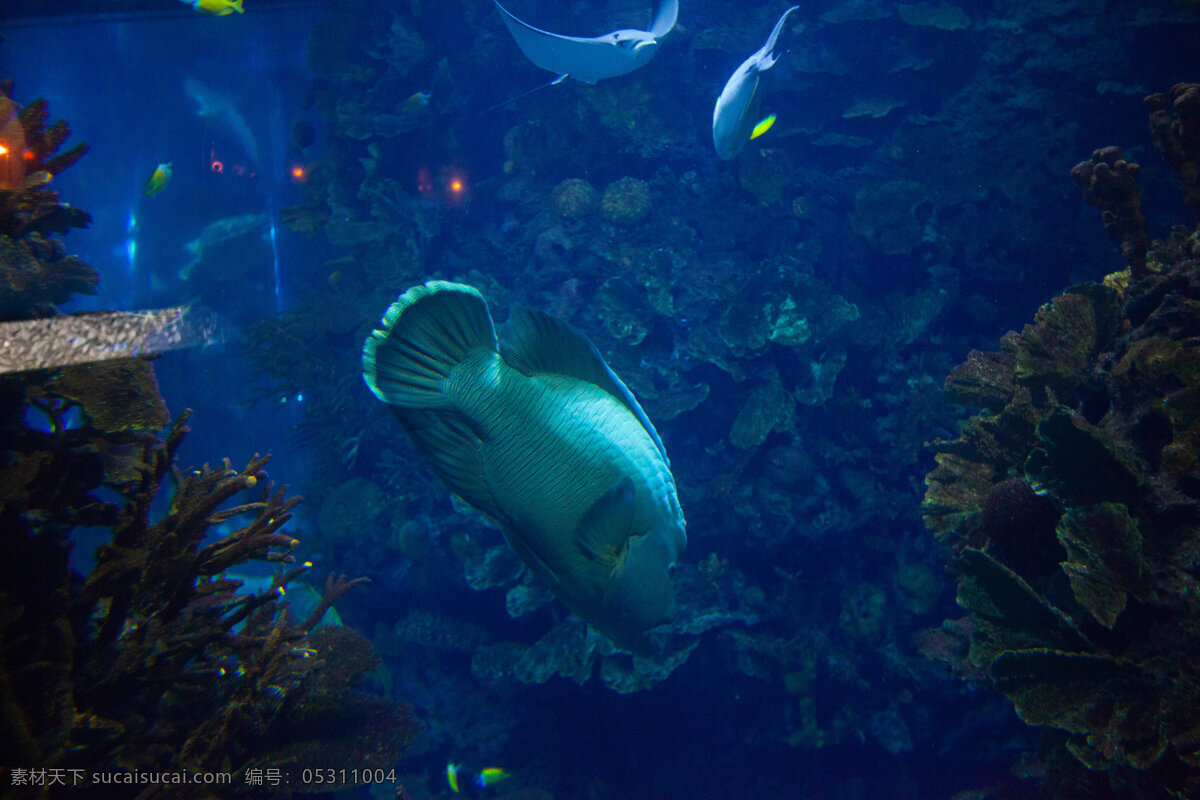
[1109, 182]
[35, 271]
[154, 659]
[1178, 137]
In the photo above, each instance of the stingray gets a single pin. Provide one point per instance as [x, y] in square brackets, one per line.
[591, 59]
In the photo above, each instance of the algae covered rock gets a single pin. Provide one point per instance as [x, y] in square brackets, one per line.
[626, 202]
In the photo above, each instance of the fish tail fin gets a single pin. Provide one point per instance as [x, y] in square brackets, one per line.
[768, 55]
[424, 334]
[237, 6]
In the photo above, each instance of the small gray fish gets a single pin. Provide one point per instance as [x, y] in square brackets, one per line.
[591, 59]
[535, 430]
[735, 117]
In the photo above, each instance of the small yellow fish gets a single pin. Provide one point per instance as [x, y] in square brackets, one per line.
[762, 127]
[489, 775]
[159, 179]
[218, 8]
[419, 101]
[452, 776]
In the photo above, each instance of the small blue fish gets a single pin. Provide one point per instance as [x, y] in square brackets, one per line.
[734, 117]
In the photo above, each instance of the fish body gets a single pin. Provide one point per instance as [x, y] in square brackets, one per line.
[452, 776]
[217, 8]
[535, 430]
[596, 58]
[214, 105]
[735, 116]
[158, 179]
[491, 775]
[416, 103]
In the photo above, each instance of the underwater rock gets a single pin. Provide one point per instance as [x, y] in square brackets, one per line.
[766, 175]
[886, 215]
[574, 198]
[918, 588]
[769, 408]
[115, 396]
[863, 612]
[626, 202]
[942, 16]
[351, 510]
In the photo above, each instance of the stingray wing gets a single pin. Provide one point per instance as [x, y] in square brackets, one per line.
[664, 21]
[587, 60]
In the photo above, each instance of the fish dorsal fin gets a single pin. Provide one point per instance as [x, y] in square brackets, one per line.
[534, 343]
[605, 529]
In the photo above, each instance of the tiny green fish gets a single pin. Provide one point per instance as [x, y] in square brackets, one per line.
[490, 775]
[452, 776]
[158, 179]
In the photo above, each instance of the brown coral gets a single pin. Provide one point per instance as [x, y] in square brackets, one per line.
[626, 201]
[1178, 138]
[574, 198]
[1081, 480]
[1110, 183]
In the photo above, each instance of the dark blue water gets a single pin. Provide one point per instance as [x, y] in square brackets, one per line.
[917, 174]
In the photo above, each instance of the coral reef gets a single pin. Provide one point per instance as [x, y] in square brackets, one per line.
[1110, 183]
[1072, 504]
[152, 659]
[35, 272]
[626, 201]
[1178, 137]
[791, 361]
[575, 198]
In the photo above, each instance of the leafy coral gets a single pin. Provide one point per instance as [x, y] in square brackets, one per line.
[1088, 431]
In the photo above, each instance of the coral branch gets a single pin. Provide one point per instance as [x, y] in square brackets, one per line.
[1110, 183]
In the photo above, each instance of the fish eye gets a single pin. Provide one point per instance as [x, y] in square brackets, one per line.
[671, 568]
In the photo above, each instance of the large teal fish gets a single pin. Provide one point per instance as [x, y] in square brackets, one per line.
[535, 430]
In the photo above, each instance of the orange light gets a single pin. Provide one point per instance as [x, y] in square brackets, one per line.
[218, 166]
[3, 150]
[298, 173]
[456, 186]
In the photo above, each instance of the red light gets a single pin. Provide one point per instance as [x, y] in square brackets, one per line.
[218, 166]
[238, 169]
[29, 155]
